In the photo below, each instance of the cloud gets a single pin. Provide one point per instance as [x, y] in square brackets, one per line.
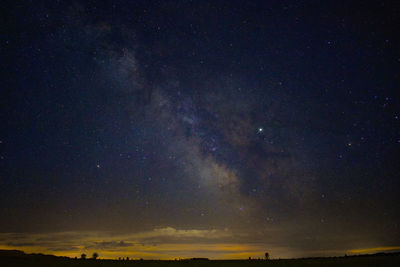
[23, 244]
[170, 243]
[373, 250]
[175, 233]
[109, 245]
[70, 243]
[64, 248]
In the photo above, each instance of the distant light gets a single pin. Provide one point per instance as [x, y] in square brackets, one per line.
[260, 130]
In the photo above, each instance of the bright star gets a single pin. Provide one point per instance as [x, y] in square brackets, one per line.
[260, 130]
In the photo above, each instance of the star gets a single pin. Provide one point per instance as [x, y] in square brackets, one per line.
[177, 111]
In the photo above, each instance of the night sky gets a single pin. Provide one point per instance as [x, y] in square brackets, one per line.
[219, 129]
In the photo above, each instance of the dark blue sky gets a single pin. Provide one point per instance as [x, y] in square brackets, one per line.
[273, 122]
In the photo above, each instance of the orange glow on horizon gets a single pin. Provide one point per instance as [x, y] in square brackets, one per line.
[376, 249]
[161, 251]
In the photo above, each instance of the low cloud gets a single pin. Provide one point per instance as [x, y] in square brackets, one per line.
[170, 243]
[374, 250]
[175, 233]
[156, 243]
[109, 245]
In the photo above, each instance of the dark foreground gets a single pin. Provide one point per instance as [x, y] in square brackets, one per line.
[373, 261]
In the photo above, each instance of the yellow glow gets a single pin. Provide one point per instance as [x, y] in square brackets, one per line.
[161, 251]
[376, 249]
[244, 255]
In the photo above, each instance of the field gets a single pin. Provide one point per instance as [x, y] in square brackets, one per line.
[373, 261]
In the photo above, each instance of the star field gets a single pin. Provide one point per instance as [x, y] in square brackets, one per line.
[163, 129]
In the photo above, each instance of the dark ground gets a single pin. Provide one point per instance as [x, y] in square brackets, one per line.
[373, 260]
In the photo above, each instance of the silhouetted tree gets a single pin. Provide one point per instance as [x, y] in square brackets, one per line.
[95, 255]
[266, 255]
[83, 256]
[127, 258]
